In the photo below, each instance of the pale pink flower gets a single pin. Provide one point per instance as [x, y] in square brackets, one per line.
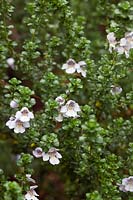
[10, 62]
[13, 104]
[70, 109]
[17, 125]
[81, 68]
[129, 38]
[60, 100]
[124, 47]
[53, 156]
[112, 41]
[70, 66]
[31, 194]
[115, 90]
[28, 176]
[38, 152]
[127, 184]
[24, 115]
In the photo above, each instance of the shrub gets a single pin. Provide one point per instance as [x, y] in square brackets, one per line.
[66, 99]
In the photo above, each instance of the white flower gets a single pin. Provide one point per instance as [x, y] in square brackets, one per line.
[81, 68]
[38, 152]
[127, 184]
[11, 123]
[120, 50]
[115, 90]
[17, 125]
[10, 62]
[125, 44]
[124, 47]
[129, 38]
[59, 118]
[70, 109]
[24, 115]
[70, 67]
[129, 34]
[112, 41]
[60, 100]
[28, 176]
[53, 156]
[31, 194]
[13, 104]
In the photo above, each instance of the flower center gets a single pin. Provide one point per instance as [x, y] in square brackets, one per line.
[116, 89]
[39, 152]
[130, 183]
[71, 106]
[52, 152]
[12, 118]
[31, 193]
[19, 123]
[24, 112]
[60, 100]
[70, 63]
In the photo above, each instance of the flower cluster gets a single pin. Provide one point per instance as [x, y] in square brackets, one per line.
[127, 184]
[71, 67]
[31, 194]
[21, 120]
[122, 46]
[52, 155]
[70, 109]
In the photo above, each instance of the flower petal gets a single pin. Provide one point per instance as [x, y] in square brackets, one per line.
[120, 50]
[59, 118]
[25, 118]
[54, 161]
[38, 152]
[19, 129]
[26, 124]
[45, 157]
[65, 66]
[18, 114]
[31, 115]
[82, 63]
[63, 109]
[71, 113]
[77, 108]
[58, 155]
[83, 73]
[10, 124]
[70, 70]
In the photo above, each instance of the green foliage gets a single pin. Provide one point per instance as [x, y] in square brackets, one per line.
[13, 191]
[97, 146]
